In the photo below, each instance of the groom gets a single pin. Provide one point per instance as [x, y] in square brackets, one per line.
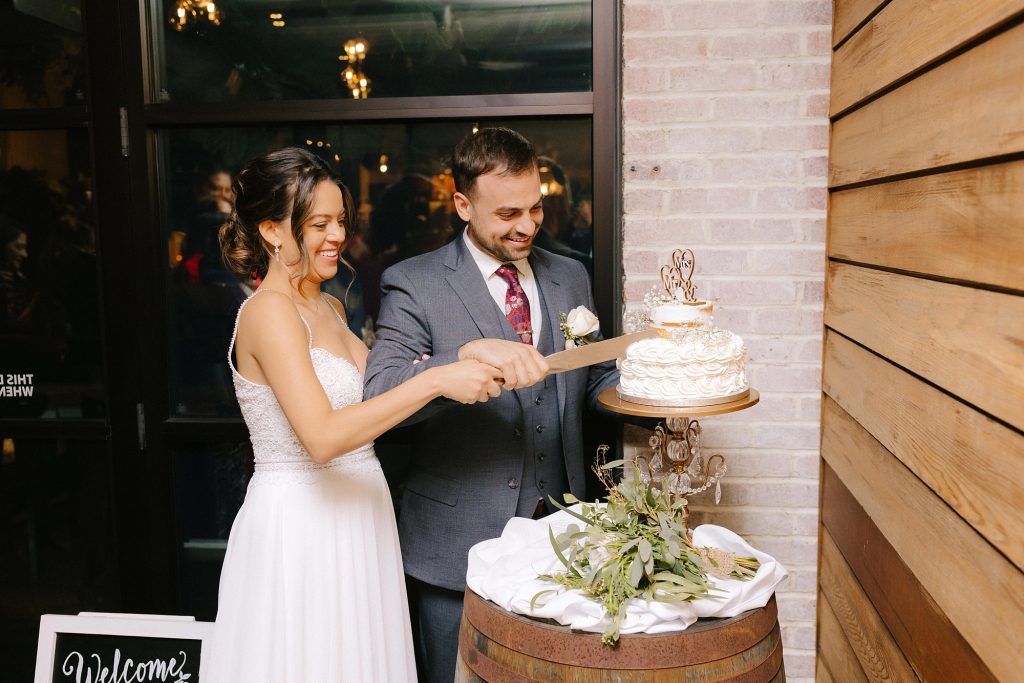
[487, 295]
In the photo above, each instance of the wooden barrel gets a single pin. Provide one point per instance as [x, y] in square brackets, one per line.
[497, 646]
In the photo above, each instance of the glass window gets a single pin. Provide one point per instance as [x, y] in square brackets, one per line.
[402, 186]
[50, 344]
[256, 50]
[41, 62]
[209, 487]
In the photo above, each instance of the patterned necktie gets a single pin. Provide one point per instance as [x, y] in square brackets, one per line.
[517, 306]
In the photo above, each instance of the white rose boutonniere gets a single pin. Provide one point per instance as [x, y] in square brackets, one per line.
[579, 327]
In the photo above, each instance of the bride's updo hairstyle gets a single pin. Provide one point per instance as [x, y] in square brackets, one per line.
[274, 187]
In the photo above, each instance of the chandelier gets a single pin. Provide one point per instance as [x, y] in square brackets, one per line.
[353, 76]
[189, 13]
[676, 463]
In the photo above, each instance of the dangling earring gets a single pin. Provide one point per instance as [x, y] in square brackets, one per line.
[277, 252]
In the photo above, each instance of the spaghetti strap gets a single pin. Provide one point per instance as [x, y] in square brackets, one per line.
[331, 306]
[309, 331]
[234, 332]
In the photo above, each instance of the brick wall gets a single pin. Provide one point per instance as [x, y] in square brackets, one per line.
[725, 140]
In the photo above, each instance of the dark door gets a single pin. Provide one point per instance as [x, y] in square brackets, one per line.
[68, 330]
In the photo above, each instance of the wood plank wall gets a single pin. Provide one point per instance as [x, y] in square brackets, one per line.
[921, 555]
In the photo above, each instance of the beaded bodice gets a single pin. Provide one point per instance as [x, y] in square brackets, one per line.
[275, 445]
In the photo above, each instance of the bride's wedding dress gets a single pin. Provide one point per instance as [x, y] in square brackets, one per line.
[312, 589]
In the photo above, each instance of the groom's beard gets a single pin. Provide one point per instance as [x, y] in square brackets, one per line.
[502, 247]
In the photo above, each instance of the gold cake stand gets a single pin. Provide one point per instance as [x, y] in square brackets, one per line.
[610, 399]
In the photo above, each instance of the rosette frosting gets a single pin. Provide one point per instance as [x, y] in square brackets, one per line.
[695, 365]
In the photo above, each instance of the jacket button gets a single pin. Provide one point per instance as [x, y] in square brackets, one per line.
[537, 401]
[540, 457]
[517, 432]
[540, 429]
[513, 483]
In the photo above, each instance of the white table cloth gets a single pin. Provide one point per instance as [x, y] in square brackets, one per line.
[504, 570]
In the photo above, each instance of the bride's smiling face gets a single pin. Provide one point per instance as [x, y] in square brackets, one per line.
[323, 232]
[323, 235]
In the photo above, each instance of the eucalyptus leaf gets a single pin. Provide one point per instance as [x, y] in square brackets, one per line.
[533, 600]
[629, 546]
[558, 553]
[636, 572]
[644, 549]
[571, 512]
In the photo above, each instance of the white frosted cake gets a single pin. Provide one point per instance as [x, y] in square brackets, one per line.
[694, 364]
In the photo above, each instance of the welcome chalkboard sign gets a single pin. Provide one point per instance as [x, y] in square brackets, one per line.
[121, 648]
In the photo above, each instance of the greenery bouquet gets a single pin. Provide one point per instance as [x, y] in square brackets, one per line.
[636, 546]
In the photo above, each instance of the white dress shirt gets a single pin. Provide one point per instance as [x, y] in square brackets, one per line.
[498, 287]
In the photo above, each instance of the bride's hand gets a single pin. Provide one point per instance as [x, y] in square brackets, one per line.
[468, 381]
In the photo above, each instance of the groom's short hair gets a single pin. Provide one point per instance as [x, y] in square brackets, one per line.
[490, 149]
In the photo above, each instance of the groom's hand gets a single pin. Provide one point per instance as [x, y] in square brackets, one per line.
[520, 364]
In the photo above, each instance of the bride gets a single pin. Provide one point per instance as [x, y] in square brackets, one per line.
[312, 587]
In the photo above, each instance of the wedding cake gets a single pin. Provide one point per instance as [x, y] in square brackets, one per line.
[692, 362]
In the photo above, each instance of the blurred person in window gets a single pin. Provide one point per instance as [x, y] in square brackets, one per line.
[582, 236]
[205, 295]
[17, 298]
[213, 204]
[22, 348]
[411, 217]
[555, 230]
[218, 190]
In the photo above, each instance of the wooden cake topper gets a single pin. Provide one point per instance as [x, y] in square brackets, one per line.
[677, 275]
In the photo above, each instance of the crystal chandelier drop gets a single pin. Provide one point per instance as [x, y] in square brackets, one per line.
[676, 463]
[190, 13]
[353, 75]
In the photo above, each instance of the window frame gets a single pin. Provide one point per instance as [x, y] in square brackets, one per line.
[602, 105]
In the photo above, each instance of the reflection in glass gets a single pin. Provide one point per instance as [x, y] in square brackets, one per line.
[209, 487]
[402, 186]
[57, 550]
[259, 51]
[50, 351]
[41, 63]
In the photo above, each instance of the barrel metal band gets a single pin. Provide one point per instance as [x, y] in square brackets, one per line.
[558, 644]
[482, 665]
[769, 669]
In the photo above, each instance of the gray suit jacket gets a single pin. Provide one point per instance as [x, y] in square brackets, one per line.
[457, 487]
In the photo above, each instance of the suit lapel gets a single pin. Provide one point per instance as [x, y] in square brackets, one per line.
[555, 300]
[465, 278]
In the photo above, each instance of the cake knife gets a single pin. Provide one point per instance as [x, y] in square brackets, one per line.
[595, 352]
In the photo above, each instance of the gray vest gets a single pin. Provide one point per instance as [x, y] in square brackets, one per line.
[540, 430]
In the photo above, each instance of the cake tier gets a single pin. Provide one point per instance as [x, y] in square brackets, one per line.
[683, 314]
[700, 365]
